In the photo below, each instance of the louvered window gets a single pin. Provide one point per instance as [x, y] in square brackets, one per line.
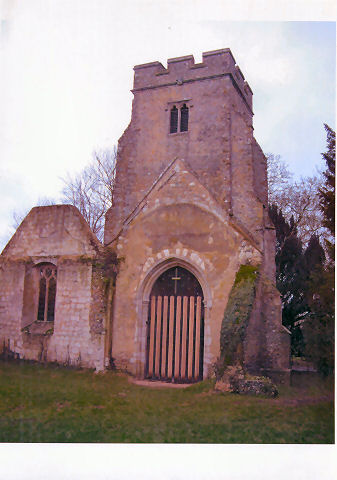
[184, 118]
[174, 120]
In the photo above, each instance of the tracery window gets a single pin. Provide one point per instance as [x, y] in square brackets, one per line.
[47, 292]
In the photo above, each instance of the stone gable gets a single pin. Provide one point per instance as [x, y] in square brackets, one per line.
[53, 230]
[177, 185]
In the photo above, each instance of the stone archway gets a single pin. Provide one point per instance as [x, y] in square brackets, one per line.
[175, 328]
[153, 286]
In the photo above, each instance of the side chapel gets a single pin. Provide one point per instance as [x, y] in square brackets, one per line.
[189, 209]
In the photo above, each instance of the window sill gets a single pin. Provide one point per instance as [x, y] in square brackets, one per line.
[39, 328]
[177, 133]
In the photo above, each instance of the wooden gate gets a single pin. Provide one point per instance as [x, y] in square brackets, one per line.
[174, 340]
[175, 328]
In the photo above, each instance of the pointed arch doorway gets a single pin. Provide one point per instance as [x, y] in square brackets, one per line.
[175, 328]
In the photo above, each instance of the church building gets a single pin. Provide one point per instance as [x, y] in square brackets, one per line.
[190, 208]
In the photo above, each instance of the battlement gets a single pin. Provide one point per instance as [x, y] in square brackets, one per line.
[180, 70]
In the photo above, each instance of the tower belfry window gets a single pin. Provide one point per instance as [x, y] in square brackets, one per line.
[174, 120]
[184, 118]
[179, 118]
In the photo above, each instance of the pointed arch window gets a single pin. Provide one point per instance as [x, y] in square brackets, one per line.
[47, 292]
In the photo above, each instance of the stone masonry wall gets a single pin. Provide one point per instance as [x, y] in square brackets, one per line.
[198, 198]
[11, 302]
[70, 340]
[58, 235]
[217, 146]
[52, 231]
[194, 231]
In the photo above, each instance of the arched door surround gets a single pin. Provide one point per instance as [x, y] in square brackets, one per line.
[185, 312]
[175, 328]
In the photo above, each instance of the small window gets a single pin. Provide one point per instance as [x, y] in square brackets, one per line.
[174, 120]
[47, 292]
[179, 118]
[184, 118]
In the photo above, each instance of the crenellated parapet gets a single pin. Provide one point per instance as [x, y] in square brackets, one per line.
[184, 70]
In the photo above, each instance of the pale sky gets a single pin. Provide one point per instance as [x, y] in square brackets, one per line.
[66, 71]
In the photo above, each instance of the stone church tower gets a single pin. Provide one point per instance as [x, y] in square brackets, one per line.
[189, 217]
[190, 208]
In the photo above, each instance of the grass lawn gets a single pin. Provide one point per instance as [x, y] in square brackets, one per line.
[41, 403]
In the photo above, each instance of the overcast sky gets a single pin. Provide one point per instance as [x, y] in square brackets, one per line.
[66, 74]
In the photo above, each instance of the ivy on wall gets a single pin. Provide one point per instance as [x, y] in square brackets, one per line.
[235, 320]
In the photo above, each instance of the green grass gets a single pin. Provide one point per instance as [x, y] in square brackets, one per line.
[52, 404]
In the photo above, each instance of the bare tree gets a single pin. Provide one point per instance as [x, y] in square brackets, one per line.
[279, 176]
[300, 200]
[91, 190]
[297, 199]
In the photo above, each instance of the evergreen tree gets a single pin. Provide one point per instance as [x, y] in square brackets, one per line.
[305, 278]
[327, 192]
[314, 255]
[290, 277]
[319, 330]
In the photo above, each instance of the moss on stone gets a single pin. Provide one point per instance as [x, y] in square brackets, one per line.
[106, 265]
[235, 321]
[246, 272]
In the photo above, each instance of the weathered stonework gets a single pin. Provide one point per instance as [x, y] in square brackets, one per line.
[57, 235]
[194, 199]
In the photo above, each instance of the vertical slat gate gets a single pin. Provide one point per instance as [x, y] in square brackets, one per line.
[190, 339]
[183, 340]
[164, 340]
[171, 332]
[152, 326]
[197, 338]
[177, 340]
[158, 337]
[174, 338]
